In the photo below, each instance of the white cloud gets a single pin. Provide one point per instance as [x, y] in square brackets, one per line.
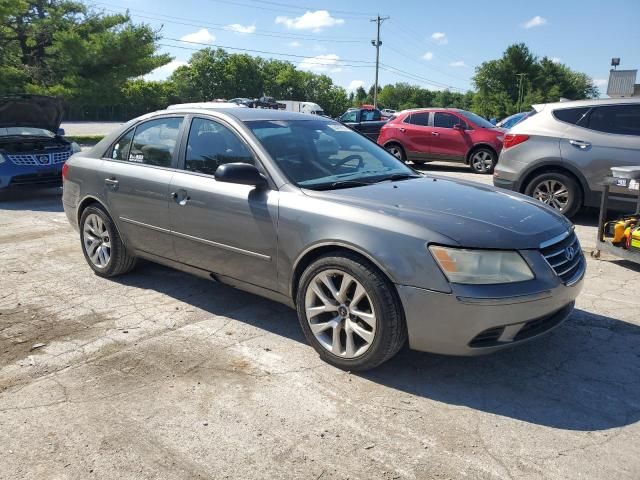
[241, 29]
[536, 21]
[164, 71]
[321, 63]
[201, 36]
[294, 44]
[440, 38]
[319, 48]
[458, 63]
[556, 60]
[314, 21]
[600, 82]
[354, 85]
[428, 56]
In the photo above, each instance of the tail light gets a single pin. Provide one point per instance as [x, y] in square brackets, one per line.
[65, 169]
[513, 139]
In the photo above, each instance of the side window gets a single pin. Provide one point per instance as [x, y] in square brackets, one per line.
[120, 150]
[155, 141]
[211, 144]
[619, 119]
[350, 116]
[421, 119]
[573, 116]
[445, 120]
[368, 115]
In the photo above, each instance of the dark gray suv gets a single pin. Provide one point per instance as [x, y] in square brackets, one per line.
[560, 154]
[304, 210]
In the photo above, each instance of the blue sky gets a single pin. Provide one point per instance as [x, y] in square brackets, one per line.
[435, 44]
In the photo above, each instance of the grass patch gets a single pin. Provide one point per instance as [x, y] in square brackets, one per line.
[84, 139]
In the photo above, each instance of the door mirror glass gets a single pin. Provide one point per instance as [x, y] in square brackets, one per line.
[241, 173]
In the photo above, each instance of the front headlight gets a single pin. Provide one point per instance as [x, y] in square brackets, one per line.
[75, 148]
[481, 267]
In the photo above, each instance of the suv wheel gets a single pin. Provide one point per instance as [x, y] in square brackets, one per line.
[483, 160]
[350, 313]
[557, 190]
[101, 244]
[397, 151]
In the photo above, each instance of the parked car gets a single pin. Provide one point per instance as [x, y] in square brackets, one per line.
[445, 134]
[561, 154]
[302, 107]
[513, 120]
[32, 148]
[387, 112]
[368, 252]
[367, 120]
[215, 105]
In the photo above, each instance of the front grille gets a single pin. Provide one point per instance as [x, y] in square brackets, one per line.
[559, 257]
[50, 158]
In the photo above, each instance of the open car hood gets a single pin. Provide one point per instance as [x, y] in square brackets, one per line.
[24, 110]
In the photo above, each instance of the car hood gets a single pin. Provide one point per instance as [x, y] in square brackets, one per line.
[37, 111]
[471, 214]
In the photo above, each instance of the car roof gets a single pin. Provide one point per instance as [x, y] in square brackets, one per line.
[586, 103]
[246, 114]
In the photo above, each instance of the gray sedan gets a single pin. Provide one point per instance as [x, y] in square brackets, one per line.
[307, 212]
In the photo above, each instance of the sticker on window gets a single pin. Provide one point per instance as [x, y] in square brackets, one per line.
[338, 127]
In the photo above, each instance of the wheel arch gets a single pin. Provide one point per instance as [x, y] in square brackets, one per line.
[91, 200]
[478, 146]
[557, 167]
[316, 251]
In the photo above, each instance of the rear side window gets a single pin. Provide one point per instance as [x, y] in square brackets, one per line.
[155, 141]
[370, 115]
[120, 150]
[574, 116]
[420, 119]
[618, 119]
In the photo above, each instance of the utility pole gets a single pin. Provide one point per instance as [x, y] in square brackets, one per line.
[520, 88]
[376, 43]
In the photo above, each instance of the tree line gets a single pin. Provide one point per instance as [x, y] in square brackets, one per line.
[97, 63]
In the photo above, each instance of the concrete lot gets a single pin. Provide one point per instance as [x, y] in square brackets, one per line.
[89, 128]
[162, 375]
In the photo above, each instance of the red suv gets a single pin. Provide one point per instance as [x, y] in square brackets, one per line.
[445, 134]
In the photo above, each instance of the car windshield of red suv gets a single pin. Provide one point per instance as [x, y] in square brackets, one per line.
[478, 120]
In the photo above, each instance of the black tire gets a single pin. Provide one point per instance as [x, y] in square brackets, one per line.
[574, 198]
[396, 150]
[390, 332]
[120, 260]
[482, 167]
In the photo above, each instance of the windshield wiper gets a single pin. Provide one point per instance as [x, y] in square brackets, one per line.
[398, 176]
[339, 184]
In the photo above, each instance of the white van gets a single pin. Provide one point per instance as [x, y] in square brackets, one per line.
[302, 107]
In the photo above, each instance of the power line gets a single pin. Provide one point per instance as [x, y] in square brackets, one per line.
[408, 57]
[420, 78]
[300, 7]
[291, 8]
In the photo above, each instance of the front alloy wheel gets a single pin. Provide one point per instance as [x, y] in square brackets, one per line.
[553, 193]
[340, 313]
[483, 161]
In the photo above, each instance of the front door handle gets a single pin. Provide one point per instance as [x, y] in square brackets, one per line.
[435, 134]
[181, 197]
[402, 129]
[580, 144]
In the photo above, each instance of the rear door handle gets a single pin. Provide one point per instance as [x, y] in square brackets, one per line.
[435, 134]
[111, 182]
[181, 197]
[580, 144]
[402, 129]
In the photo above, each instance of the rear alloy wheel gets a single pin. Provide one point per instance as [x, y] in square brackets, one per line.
[483, 160]
[101, 244]
[557, 190]
[350, 313]
[397, 151]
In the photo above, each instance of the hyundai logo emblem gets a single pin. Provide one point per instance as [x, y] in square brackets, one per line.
[569, 253]
[43, 159]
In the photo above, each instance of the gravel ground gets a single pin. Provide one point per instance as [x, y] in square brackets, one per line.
[158, 374]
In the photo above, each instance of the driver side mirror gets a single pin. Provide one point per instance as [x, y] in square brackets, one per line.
[241, 173]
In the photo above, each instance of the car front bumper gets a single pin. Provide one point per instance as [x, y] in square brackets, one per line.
[30, 176]
[468, 323]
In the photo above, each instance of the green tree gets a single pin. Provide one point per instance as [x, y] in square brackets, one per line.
[498, 89]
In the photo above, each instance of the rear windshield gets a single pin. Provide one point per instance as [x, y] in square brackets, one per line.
[477, 120]
[574, 116]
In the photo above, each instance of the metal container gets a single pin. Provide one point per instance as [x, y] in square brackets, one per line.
[630, 173]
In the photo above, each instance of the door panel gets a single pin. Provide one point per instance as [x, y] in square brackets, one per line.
[594, 152]
[417, 136]
[225, 228]
[229, 229]
[449, 143]
[136, 182]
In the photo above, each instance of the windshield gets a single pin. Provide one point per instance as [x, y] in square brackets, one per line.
[478, 120]
[26, 131]
[322, 154]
